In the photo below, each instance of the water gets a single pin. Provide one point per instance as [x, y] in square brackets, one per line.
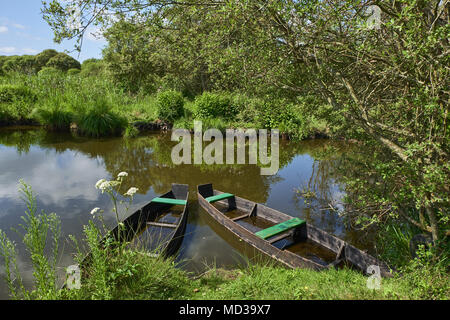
[63, 169]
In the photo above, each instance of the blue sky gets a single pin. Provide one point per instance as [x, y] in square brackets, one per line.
[23, 31]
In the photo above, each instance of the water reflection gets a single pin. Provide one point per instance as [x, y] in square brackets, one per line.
[62, 169]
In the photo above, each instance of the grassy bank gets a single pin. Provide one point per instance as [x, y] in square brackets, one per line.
[143, 277]
[95, 106]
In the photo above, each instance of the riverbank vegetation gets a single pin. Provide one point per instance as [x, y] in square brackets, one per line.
[315, 68]
[91, 102]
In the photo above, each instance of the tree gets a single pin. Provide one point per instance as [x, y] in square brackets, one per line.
[22, 64]
[43, 57]
[63, 62]
[389, 81]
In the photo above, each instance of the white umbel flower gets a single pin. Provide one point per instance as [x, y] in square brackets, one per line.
[131, 192]
[122, 174]
[99, 182]
[94, 211]
[104, 185]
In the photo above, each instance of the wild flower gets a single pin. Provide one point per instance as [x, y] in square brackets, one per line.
[122, 174]
[95, 210]
[99, 183]
[131, 192]
[112, 189]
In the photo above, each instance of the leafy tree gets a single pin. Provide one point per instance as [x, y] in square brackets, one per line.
[387, 81]
[63, 62]
[43, 57]
[21, 64]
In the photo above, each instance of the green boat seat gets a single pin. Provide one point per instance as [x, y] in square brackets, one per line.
[279, 228]
[219, 197]
[170, 201]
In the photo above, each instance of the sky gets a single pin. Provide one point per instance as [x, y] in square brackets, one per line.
[23, 31]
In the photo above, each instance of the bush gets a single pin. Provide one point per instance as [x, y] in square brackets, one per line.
[73, 72]
[43, 58]
[278, 114]
[21, 64]
[170, 105]
[213, 105]
[63, 62]
[15, 93]
[92, 68]
[49, 72]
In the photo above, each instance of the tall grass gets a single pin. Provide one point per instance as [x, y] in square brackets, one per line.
[41, 235]
[99, 120]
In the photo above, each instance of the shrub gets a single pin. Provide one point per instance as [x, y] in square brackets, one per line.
[73, 72]
[170, 105]
[49, 72]
[43, 57]
[14, 93]
[63, 62]
[213, 105]
[21, 64]
[92, 68]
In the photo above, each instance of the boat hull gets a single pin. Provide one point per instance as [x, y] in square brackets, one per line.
[344, 252]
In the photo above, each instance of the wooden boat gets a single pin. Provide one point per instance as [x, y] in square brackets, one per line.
[288, 240]
[152, 217]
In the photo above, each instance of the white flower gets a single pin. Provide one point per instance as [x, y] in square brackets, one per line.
[105, 184]
[94, 211]
[122, 174]
[131, 191]
[99, 182]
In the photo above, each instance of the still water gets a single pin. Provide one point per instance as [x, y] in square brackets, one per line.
[63, 169]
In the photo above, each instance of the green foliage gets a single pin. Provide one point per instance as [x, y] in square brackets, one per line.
[53, 114]
[170, 105]
[394, 241]
[16, 102]
[43, 57]
[426, 276]
[213, 105]
[131, 131]
[63, 62]
[15, 93]
[42, 233]
[99, 120]
[73, 72]
[93, 68]
[49, 72]
[394, 100]
[21, 64]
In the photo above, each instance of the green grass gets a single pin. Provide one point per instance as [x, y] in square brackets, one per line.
[265, 282]
[135, 275]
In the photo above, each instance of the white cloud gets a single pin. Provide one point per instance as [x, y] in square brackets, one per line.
[7, 49]
[18, 26]
[3, 29]
[29, 51]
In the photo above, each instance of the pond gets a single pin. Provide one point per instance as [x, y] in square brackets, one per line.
[63, 169]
